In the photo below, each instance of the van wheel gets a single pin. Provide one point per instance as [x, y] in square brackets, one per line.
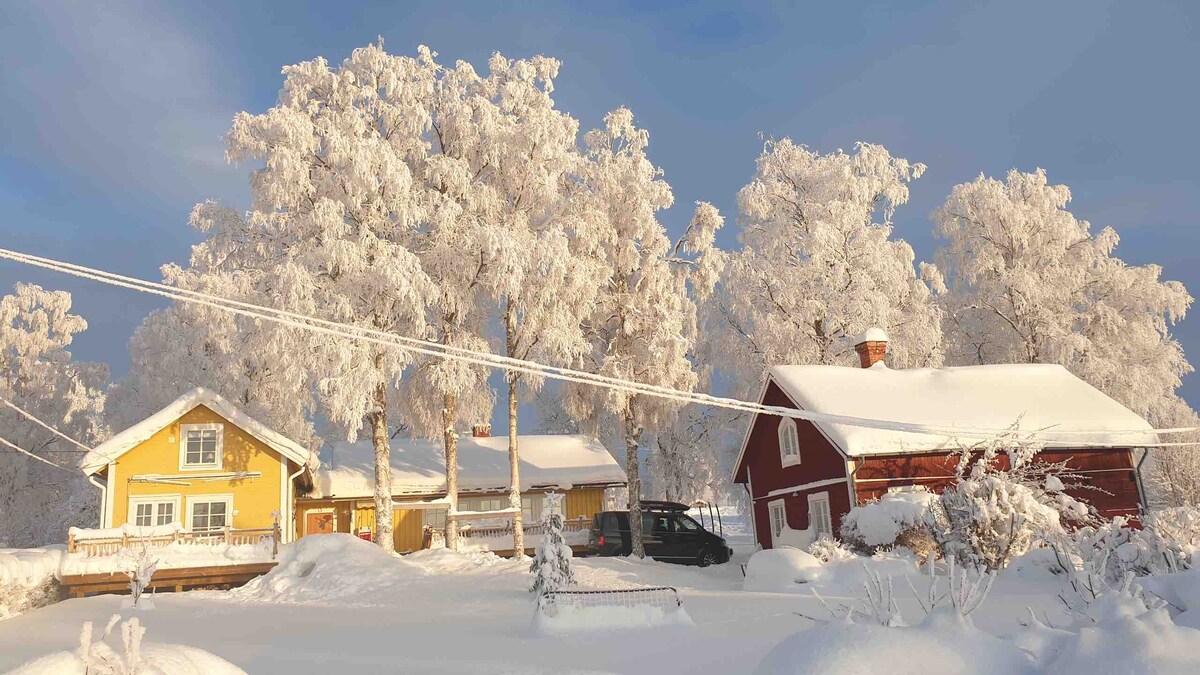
[708, 558]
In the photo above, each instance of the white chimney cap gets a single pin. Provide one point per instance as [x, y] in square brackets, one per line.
[872, 335]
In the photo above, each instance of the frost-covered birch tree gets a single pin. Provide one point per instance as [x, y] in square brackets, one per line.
[643, 327]
[541, 288]
[38, 374]
[817, 266]
[1031, 283]
[337, 205]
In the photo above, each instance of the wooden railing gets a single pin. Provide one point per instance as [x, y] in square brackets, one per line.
[436, 537]
[101, 546]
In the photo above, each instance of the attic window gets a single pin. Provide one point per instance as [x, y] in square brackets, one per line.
[789, 442]
[200, 446]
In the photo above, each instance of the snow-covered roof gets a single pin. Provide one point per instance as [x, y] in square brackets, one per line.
[872, 335]
[419, 466]
[940, 407]
[121, 443]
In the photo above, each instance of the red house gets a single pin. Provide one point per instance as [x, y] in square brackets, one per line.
[803, 476]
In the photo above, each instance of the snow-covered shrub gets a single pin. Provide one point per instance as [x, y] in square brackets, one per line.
[94, 656]
[896, 519]
[141, 572]
[993, 514]
[1114, 550]
[551, 564]
[18, 598]
[1180, 524]
[828, 549]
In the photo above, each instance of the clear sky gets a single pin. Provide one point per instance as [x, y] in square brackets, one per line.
[112, 117]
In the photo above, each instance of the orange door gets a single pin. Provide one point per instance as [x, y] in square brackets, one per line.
[319, 523]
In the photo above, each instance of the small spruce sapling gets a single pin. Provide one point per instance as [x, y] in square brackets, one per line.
[551, 565]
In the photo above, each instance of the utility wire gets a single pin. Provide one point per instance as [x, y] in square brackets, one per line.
[490, 360]
[42, 424]
[43, 460]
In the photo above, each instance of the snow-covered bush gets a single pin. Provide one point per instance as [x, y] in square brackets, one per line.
[828, 549]
[551, 564]
[1180, 525]
[18, 598]
[896, 519]
[992, 514]
[142, 571]
[94, 656]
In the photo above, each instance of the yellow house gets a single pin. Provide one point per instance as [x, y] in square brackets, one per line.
[201, 463]
[577, 466]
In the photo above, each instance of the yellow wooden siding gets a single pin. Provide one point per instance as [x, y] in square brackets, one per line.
[254, 499]
[585, 502]
[407, 529]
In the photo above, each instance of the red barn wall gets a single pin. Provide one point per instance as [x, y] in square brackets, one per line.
[819, 461]
[1107, 475]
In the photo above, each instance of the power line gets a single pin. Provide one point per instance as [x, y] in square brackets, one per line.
[490, 360]
[42, 424]
[43, 460]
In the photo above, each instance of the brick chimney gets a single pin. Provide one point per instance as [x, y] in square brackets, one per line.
[871, 347]
[481, 430]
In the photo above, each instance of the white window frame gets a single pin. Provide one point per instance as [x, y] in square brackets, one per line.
[789, 453]
[434, 518]
[183, 438]
[824, 526]
[777, 520]
[174, 500]
[209, 499]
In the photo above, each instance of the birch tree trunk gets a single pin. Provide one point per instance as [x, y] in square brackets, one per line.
[634, 478]
[514, 455]
[383, 468]
[450, 439]
[514, 461]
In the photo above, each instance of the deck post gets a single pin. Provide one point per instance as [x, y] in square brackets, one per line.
[228, 538]
[70, 542]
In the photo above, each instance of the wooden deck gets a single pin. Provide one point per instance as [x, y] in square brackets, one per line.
[178, 579]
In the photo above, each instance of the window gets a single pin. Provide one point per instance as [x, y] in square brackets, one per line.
[819, 520]
[482, 504]
[686, 524]
[531, 508]
[789, 442]
[210, 513]
[778, 518]
[153, 511]
[435, 519]
[200, 446]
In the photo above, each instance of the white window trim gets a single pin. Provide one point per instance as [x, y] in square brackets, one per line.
[785, 425]
[817, 497]
[183, 434]
[131, 513]
[771, 519]
[192, 501]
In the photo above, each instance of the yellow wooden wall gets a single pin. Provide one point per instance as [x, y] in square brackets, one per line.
[585, 502]
[254, 499]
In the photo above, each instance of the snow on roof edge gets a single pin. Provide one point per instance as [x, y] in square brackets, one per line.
[122, 442]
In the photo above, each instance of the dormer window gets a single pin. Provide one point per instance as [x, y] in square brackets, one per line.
[789, 442]
[200, 446]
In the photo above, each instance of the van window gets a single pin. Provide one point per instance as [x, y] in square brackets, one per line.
[686, 524]
[611, 527]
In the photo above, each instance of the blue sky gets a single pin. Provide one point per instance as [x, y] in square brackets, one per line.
[112, 117]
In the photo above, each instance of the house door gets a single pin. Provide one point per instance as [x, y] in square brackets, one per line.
[318, 523]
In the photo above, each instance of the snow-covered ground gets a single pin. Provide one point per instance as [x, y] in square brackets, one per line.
[338, 603]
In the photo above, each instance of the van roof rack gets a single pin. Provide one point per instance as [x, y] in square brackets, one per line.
[657, 505]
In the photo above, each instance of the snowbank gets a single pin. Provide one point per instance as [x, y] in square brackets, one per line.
[943, 644]
[314, 569]
[780, 570]
[789, 570]
[29, 566]
[157, 659]
[569, 619]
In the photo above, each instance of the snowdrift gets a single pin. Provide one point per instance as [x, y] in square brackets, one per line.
[790, 570]
[157, 659]
[327, 567]
[564, 612]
